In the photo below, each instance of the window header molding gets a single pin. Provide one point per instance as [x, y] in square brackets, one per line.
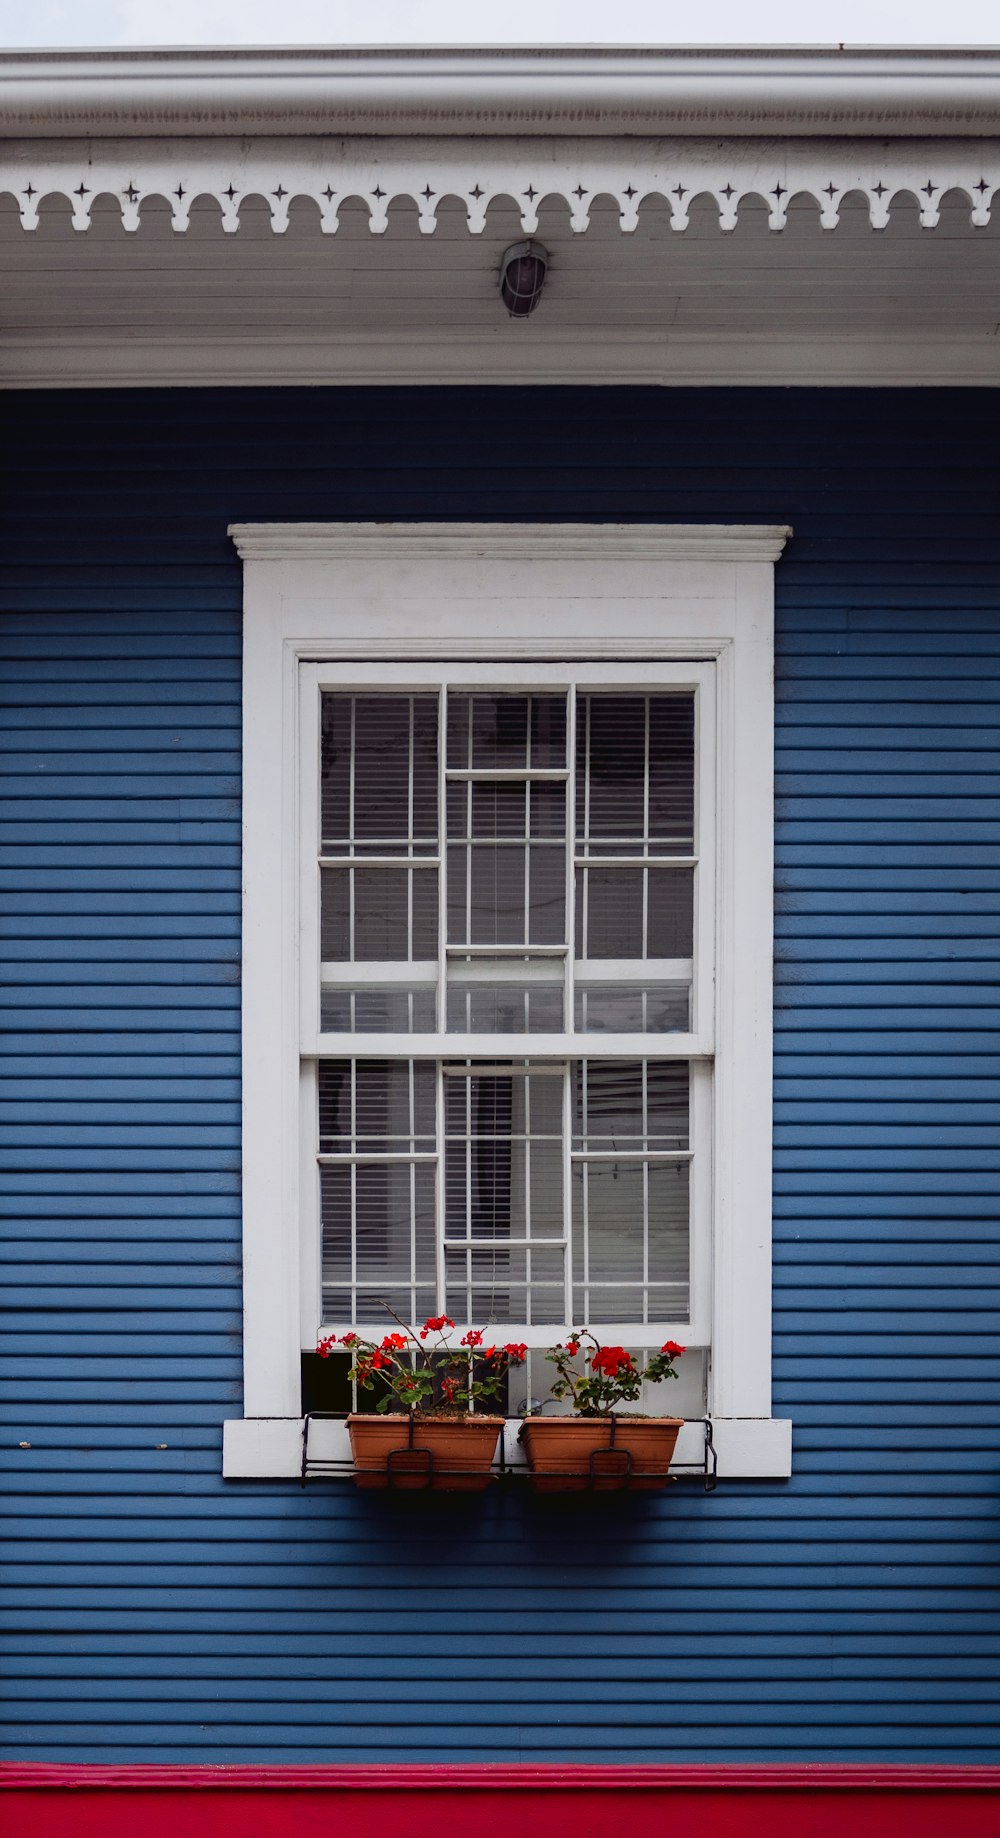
[334, 542]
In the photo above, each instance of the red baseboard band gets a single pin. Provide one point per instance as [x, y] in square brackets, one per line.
[501, 1801]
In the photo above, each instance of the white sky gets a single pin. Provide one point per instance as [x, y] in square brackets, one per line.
[47, 23]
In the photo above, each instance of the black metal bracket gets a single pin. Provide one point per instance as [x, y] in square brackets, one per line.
[612, 1464]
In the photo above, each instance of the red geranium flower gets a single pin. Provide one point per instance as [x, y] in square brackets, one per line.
[394, 1342]
[611, 1361]
[472, 1339]
[673, 1349]
[434, 1324]
[517, 1350]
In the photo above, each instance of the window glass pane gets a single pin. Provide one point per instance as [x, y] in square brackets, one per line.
[503, 1167]
[633, 1008]
[634, 913]
[506, 1007]
[379, 773]
[376, 1119]
[378, 1241]
[630, 1238]
[519, 1284]
[373, 915]
[506, 880]
[506, 732]
[378, 1105]
[635, 774]
[631, 1104]
[372, 1009]
[630, 1191]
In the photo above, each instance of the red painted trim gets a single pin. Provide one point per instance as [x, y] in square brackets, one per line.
[740, 1777]
[500, 1801]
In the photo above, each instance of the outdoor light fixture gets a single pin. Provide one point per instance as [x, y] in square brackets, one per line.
[522, 277]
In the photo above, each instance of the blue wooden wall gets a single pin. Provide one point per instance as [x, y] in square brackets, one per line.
[158, 1614]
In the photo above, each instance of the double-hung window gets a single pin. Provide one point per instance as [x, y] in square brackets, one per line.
[507, 994]
[503, 982]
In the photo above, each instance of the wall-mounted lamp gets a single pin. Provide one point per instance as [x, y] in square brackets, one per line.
[522, 277]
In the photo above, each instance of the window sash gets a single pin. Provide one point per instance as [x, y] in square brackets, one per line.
[697, 1042]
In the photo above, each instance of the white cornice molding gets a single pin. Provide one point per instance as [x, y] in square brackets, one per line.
[574, 542]
[566, 90]
[425, 173]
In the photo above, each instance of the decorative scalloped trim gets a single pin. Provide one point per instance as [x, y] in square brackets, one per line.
[479, 173]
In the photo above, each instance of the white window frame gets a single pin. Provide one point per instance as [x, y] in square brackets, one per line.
[616, 595]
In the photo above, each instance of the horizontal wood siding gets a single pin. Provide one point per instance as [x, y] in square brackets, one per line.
[158, 1614]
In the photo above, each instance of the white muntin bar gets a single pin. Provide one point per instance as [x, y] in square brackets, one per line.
[517, 775]
[379, 861]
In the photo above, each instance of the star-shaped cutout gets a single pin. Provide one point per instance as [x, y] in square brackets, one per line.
[531, 194]
[280, 193]
[477, 192]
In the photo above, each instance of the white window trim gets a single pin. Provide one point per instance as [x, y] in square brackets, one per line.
[358, 592]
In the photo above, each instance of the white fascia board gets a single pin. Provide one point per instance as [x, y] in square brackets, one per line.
[557, 91]
[265, 1448]
[30, 359]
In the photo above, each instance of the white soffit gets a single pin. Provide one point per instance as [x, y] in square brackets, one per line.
[906, 304]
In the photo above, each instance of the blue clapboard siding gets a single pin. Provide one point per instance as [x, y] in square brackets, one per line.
[158, 1614]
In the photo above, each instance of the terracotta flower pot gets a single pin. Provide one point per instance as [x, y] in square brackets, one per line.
[599, 1454]
[445, 1454]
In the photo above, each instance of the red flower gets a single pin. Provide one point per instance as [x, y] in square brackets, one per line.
[611, 1361]
[517, 1351]
[472, 1339]
[573, 1347]
[434, 1324]
[673, 1349]
[489, 1352]
[394, 1342]
[349, 1340]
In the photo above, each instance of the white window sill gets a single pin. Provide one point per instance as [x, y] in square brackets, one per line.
[270, 1448]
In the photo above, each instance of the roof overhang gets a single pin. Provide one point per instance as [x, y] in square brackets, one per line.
[305, 216]
[565, 91]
